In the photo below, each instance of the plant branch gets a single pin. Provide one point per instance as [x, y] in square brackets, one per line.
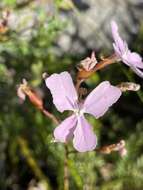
[84, 74]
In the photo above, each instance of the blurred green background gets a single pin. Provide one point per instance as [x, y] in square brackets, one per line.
[29, 46]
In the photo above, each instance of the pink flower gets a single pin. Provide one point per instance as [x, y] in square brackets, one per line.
[132, 59]
[76, 126]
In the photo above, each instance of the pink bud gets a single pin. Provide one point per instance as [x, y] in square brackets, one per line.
[21, 94]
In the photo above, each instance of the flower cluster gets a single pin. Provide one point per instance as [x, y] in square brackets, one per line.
[65, 96]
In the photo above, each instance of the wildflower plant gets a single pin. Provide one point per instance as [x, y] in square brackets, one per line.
[68, 96]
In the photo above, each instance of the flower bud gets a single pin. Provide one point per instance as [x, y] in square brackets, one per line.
[24, 90]
[128, 86]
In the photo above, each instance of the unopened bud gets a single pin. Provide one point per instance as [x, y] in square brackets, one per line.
[128, 86]
[21, 94]
[118, 147]
[24, 90]
[121, 148]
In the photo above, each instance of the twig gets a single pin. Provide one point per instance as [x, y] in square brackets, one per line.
[83, 74]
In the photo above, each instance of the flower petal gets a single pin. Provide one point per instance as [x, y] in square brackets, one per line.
[121, 45]
[101, 98]
[63, 91]
[64, 131]
[132, 59]
[137, 71]
[135, 59]
[84, 138]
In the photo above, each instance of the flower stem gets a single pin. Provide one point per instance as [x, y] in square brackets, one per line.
[83, 74]
[107, 61]
[31, 161]
[66, 169]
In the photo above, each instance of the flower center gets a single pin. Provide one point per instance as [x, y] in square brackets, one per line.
[78, 112]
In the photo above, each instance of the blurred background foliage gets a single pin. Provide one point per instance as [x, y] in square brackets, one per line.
[28, 157]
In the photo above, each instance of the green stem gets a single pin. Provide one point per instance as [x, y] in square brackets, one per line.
[26, 152]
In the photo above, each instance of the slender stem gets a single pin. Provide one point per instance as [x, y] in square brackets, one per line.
[36, 101]
[31, 161]
[51, 116]
[83, 74]
[110, 60]
[66, 169]
[78, 83]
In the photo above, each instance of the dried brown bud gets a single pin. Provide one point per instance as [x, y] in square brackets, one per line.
[89, 63]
